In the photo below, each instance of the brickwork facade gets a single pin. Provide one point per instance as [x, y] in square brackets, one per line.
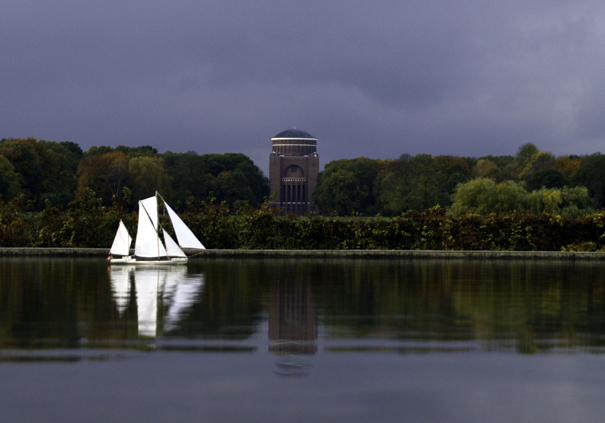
[293, 170]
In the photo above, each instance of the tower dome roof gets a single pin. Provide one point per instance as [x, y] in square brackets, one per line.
[294, 133]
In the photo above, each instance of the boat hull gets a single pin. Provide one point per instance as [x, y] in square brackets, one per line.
[133, 260]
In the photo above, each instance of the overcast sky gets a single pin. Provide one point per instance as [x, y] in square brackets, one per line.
[366, 78]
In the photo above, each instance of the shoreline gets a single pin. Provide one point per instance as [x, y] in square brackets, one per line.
[357, 254]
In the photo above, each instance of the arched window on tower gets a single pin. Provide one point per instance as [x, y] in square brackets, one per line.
[294, 172]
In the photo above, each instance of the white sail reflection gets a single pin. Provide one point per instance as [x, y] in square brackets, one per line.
[163, 295]
[147, 285]
[184, 295]
[120, 285]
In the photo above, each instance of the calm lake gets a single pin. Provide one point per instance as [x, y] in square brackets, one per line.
[301, 340]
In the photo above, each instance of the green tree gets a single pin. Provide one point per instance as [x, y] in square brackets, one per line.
[339, 192]
[190, 176]
[483, 195]
[456, 170]
[98, 151]
[591, 174]
[573, 202]
[9, 180]
[257, 181]
[526, 152]
[17, 227]
[543, 160]
[450, 165]
[27, 163]
[504, 163]
[46, 169]
[148, 175]
[117, 175]
[102, 174]
[86, 223]
[338, 176]
[547, 178]
[530, 160]
[196, 176]
[411, 183]
[59, 164]
[483, 166]
[142, 151]
[233, 186]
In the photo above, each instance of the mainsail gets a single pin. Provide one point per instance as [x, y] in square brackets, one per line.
[148, 243]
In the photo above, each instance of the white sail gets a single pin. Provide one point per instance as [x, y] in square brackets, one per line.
[122, 241]
[172, 248]
[146, 285]
[151, 208]
[184, 236]
[148, 243]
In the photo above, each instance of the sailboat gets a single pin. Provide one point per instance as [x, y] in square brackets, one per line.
[148, 246]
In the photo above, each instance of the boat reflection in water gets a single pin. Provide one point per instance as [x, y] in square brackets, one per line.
[292, 326]
[162, 295]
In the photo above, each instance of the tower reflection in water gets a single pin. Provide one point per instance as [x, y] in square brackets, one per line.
[292, 326]
[162, 295]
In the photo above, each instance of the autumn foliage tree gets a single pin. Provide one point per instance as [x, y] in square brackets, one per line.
[148, 175]
[104, 174]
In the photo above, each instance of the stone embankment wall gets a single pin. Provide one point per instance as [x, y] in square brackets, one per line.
[371, 254]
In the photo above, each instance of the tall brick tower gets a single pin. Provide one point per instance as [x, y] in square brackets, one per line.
[293, 169]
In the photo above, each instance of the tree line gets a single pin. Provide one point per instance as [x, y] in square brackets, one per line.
[531, 180]
[47, 173]
[51, 173]
[56, 195]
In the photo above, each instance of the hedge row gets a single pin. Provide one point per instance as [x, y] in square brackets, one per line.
[86, 223]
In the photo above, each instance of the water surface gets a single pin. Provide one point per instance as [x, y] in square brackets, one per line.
[302, 340]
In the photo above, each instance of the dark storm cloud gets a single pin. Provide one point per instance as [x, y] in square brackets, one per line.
[367, 78]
